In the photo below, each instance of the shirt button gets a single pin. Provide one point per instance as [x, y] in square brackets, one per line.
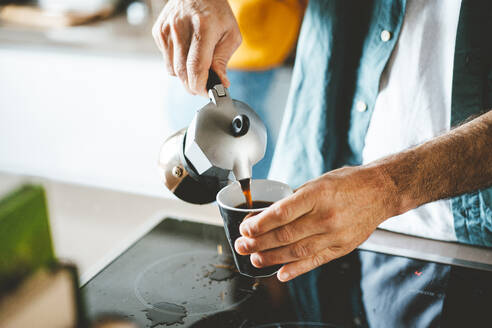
[385, 36]
[361, 106]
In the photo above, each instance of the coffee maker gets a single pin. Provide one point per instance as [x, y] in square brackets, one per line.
[222, 143]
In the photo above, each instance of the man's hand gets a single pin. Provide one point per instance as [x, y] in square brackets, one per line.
[194, 35]
[329, 216]
[324, 219]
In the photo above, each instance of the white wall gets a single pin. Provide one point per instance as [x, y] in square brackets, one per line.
[89, 119]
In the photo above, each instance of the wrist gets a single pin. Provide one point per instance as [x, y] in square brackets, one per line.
[396, 196]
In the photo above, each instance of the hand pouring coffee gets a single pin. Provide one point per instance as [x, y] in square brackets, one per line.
[224, 136]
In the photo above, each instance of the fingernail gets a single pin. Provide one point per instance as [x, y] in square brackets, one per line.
[283, 276]
[241, 246]
[245, 229]
[255, 260]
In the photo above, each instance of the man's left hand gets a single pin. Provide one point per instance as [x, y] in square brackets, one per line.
[328, 217]
[324, 219]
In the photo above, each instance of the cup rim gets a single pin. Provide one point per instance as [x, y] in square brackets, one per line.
[247, 210]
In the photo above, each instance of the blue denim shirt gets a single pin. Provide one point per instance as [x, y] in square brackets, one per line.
[340, 59]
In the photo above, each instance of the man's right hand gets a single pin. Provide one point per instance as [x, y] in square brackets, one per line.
[194, 35]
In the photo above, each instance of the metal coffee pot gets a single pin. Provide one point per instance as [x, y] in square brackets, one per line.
[225, 136]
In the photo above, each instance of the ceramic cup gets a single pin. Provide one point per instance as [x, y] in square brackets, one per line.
[230, 197]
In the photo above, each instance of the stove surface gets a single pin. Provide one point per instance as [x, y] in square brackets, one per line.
[181, 274]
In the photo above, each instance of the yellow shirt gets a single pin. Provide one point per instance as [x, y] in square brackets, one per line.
[269, 30]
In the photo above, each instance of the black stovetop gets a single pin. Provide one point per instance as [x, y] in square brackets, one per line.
[181, 275]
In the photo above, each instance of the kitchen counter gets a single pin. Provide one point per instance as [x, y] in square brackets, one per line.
[92, 226]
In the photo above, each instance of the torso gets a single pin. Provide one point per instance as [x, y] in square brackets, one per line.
[414, 102]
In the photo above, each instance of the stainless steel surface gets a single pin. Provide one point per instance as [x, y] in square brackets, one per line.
[430, 250]
[210, 143]
[170, 162]
[224, 136]
[176, 177]
[178, 171]
[221, 92]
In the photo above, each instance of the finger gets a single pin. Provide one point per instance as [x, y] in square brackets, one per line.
[158, 28]
[297, 251]
[168, 50]
[156, 34]
[168, 55]
[290, 233]
[161, 34]
[278, 214]
[181, 45]
[295, 269]
[224, 49]
[199, 61]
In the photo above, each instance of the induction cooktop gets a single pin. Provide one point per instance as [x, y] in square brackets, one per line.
[181, 274]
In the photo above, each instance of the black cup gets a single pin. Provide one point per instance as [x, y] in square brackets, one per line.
[230, 197]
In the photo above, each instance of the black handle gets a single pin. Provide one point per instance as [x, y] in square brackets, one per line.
[213, 79]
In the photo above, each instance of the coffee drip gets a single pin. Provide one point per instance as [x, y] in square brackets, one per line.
[246, 188]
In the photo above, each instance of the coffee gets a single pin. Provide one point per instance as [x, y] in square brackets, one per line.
[257, 204]
[246, 188]
[234, 210]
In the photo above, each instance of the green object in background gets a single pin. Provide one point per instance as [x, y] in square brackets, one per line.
[25, 239]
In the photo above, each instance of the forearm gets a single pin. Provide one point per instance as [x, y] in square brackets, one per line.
[457, 162]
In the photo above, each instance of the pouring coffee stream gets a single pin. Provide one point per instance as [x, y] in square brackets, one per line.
[246, 188]
[222, 143]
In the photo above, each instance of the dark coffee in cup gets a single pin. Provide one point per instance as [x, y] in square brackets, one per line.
[257, 204]
[233, 210]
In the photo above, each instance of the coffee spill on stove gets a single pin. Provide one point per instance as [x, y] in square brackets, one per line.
[164, 313]
[221, 274]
